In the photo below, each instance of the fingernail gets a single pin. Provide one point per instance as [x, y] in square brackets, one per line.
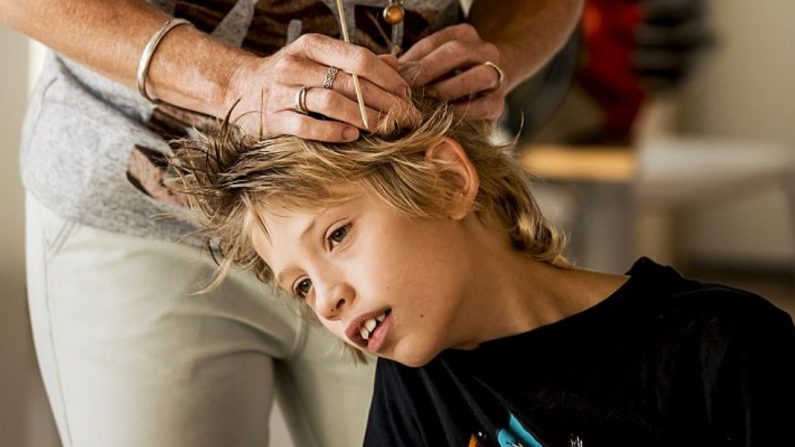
[407, 92]
[350, 134]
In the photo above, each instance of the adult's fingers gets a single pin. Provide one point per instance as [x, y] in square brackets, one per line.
[477, 79]
[296, 71]
[463, 32]
[390, 59]
[449, 56]
[352, 59]
[339, 107]
[485, 108]
[401, 109]
[289, 122]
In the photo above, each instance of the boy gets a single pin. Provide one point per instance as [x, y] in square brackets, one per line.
[425, 248]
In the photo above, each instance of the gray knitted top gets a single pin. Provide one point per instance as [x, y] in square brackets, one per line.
[92, 149]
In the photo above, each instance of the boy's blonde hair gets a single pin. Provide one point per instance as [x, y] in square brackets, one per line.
[229, 176]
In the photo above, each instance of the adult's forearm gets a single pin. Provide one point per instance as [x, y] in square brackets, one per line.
[189, 68]
[527, 32]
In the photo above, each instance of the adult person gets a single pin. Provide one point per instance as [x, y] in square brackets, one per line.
[129, 354]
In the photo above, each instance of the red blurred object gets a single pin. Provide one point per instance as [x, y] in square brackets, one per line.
[608, 75]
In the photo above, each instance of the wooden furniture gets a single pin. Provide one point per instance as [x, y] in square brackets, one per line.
[673, 173]
[604, 164]
[600, 179]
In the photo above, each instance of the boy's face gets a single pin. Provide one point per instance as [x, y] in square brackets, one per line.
[359, 265]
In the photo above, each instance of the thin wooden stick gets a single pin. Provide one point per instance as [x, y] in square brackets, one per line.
[359, 98]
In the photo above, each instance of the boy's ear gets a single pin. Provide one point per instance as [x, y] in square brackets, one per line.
[453, 162]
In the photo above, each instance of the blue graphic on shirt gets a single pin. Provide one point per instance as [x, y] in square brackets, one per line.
[516, 435]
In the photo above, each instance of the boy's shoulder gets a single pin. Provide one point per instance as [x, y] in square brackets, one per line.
[679, 298]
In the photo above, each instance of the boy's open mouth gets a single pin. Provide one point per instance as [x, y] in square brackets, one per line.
[368, 331]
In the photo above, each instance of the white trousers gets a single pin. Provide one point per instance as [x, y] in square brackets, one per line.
[131, 357]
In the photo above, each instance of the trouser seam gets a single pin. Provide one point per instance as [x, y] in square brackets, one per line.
[51, 332]
[61, 237]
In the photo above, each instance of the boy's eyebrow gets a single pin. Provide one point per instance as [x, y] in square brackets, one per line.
[308, 229]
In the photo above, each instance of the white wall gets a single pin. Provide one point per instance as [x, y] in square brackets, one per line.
[15, 360]
[24, 417]
[745, 88]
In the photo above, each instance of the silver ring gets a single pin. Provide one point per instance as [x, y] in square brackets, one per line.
[300, 101]
[331, 75]
[500, 75]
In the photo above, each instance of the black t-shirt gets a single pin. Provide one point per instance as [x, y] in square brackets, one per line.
[663, 361]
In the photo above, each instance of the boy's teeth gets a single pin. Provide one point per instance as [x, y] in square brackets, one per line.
[370, 324]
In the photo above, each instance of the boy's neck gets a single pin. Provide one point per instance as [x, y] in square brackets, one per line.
[514, 293]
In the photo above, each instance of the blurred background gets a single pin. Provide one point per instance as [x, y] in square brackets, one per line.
[666, 128]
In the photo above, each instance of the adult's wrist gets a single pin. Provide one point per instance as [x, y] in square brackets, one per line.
[238, 83]
[193, 71]
[142, 73]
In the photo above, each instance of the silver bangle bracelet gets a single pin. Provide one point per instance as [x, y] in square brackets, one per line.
[149, 51]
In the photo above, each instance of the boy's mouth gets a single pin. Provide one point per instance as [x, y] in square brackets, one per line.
[368, 331]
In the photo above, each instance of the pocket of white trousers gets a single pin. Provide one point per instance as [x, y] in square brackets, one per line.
[55, 230]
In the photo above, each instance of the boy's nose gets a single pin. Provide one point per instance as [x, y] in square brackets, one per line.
[334, 300]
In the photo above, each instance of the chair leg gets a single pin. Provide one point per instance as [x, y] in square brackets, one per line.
[608, 227]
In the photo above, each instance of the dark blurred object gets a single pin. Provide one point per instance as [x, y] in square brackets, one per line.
[668, 40]
[624, 51]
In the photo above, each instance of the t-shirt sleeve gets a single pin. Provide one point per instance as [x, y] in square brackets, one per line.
[754, 400]
[393, 419]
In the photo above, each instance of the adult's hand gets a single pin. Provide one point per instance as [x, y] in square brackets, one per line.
[519, 36]
[267, 89]
[193, 71]
[450, 65]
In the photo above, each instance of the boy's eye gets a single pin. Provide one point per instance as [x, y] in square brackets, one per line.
[302, 288]
[339, 234]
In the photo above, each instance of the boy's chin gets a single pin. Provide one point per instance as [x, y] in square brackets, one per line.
[413, 358]
[414, 363]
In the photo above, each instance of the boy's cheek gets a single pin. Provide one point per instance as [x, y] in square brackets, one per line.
[334, 327]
